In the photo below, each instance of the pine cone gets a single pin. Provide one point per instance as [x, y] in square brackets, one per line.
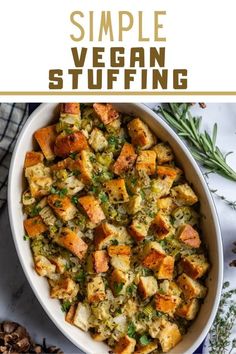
[14, 339]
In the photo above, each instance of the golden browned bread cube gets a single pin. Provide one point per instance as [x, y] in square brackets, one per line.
[189, 236]
[147, 286]
[166, 204]
[46, 138]
[34, 226]
[134, 204]
[168, 171]
[169, 336]
[194, 265]
[72, 242]
[33, 158]
[39, 178]
[62, 206]
[191, 288]
[125, 160]
[116, 191]
[70, 314]
[146, 349]
[106, 112]
[97, 140]
[103, 235]
[70, 143]
[146, 162]
[65, 289]
[119, 250]
[138, 230]
[167, 303]
[118, 277]
[121, 262]
[140, 134]
[96, 290]
[99, 337]
[92, 208]
[43, 266]
[164, 153]
[153, 255]
[162, 225]
[166, 268]
[81, 317]
[70, 109]
[85, 166]
[188, 309]
[125, 345]
[184, 195]
[100, 261]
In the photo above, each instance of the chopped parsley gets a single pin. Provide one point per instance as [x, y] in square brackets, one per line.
[65, 306]
[26, 237]
[144, 340]
[73, 155]
[131, 289]
[103, 197]
[131, 330]
[60, 192]
[80, 276]
[34, 211]
[74, 199]
[118, 287]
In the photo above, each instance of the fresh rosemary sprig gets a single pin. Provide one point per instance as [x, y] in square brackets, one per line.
[221, 330]
[203, 146]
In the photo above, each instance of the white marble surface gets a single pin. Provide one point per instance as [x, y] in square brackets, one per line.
[17, 301]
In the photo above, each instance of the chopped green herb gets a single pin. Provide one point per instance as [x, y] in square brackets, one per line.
[34, 211]
[118, 287]
[73, 155]
[65, 306]
[114, 242]
[103, 197]
[80, 276]
[131, 330]
[131, 289]
[26, 237]
[61, 192]
[113, 140]
[74, 199]
[144, 339]
[57, 204]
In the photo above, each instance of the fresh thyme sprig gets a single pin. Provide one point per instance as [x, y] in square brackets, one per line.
[203, 146]
[221, 330]
[230, 203]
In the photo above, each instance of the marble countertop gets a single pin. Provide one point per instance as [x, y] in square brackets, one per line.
[17, 300]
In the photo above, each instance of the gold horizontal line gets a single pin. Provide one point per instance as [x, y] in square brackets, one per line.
[118, 93]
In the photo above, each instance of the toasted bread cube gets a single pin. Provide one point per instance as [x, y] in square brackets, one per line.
[140, 134]
[106, 112]
[161, 187]
[70, 109]
[146, 349]
[34, 226]
[166, 204]
[100, 261]
[33, 158]
[118, 277]
[70, 143]
[103, 235]
[97, 140]
[189, 236]
[81, 317]
[153, 255]
[191, 288]
[46, 138]
[188, 309]
[72, 242]
[138, 230]
[125, 160]
[162, 225]
[170, 171]
[85, 166]
[39, 178]
[147, 286]
[62, 206]
[71, 314]
[146, 161]
[72, 184]
[167, 303]
[96, 290]
[119, 250]
[121, 262]
[44, 267]
[184, 195]
[194, 265]
[92, 208]
[126, 345]
[134, 205]
[116, 190]
[169, 336]
[164, 153]
[65, 289]
[60, 264]
[166, 268]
